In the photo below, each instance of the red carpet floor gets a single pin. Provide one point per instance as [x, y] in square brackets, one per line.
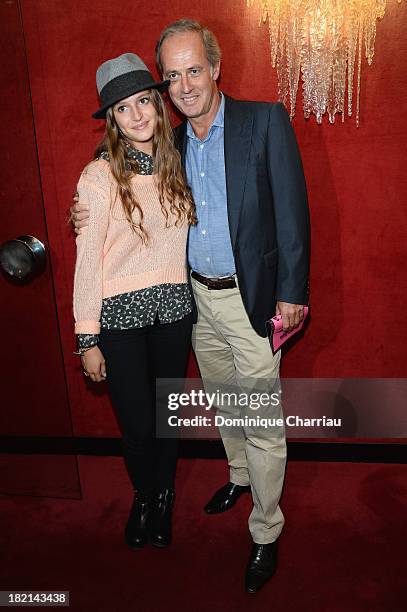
[343, 548]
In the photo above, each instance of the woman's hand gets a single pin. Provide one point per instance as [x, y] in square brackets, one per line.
[93, 364]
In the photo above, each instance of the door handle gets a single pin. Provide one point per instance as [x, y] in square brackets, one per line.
[23, 257]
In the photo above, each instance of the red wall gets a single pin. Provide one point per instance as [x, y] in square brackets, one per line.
[356, 179]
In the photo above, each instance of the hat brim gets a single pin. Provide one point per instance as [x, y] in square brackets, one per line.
[101, 112]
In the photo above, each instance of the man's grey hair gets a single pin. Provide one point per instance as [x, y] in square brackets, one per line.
[212, 49]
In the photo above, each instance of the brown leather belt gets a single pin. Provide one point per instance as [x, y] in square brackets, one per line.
[215, 283]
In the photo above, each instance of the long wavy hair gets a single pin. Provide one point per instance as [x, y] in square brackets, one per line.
[174, 194]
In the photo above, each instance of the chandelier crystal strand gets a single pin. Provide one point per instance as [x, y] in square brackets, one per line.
[351, 35]
[360, 37]
[321, 40]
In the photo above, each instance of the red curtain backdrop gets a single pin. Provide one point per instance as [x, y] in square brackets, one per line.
[356, 178]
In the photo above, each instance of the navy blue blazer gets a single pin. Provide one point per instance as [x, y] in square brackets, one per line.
[267, 206]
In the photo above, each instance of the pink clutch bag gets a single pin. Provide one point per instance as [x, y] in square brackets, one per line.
[276, 334]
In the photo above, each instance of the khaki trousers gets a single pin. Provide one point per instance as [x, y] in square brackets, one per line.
[230, 352]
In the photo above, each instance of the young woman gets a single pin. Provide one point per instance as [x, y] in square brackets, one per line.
[132, 303]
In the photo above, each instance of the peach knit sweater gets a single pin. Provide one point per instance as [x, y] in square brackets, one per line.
[111, 258]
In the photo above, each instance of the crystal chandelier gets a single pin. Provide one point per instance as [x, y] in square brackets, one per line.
[322, 40]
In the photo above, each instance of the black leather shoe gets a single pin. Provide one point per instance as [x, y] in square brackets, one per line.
[261, 567]
[160, 531]
[225, 498]
[136, 529]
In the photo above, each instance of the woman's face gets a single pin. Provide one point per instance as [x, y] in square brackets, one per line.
[136, 117]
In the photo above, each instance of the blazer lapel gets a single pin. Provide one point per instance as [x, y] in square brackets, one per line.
[180, 134]
[238, 134]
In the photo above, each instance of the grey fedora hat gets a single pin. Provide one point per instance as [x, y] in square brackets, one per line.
[121, 77]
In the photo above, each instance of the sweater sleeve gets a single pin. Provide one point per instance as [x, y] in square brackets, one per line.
[94, 191]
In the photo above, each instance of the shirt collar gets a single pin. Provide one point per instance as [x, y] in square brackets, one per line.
[219, 120]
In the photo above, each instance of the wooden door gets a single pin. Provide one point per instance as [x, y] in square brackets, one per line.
[34, 399]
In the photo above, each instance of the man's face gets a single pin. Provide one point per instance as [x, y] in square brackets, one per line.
[192, 80]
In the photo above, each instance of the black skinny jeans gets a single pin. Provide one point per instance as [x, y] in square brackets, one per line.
[135, 358]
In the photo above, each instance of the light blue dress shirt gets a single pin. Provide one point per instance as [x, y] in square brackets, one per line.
[209, 246]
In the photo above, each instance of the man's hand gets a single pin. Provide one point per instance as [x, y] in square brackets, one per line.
[79, 214]
[93, 364]
[292, 314]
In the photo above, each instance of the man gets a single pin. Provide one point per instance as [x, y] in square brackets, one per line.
[249, 258]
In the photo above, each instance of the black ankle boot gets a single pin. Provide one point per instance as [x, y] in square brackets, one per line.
[160, 525]
[136, 529]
